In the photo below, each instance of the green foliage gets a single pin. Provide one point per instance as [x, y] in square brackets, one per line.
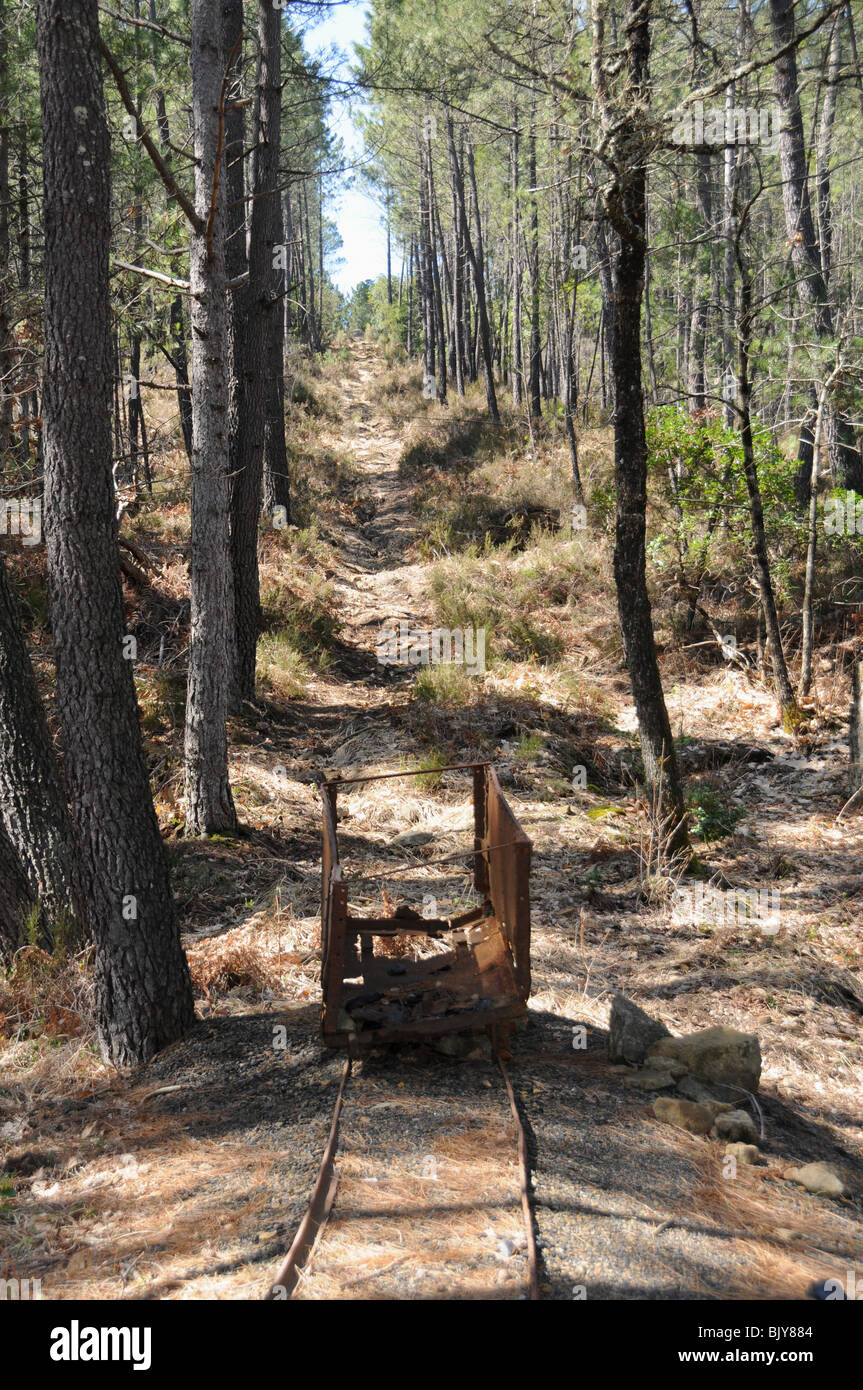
[696, 466]
[446, 683]
[711, 818]
[305, 619]
[280, 666]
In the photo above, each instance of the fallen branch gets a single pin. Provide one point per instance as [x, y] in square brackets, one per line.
[140, 555]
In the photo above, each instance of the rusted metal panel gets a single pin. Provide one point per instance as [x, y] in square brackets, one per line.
[483, 979]
[509, 874]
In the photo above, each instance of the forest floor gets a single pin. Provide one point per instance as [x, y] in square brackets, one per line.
[188, 1179]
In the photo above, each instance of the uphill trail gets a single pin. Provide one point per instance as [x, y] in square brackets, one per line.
[382, 577]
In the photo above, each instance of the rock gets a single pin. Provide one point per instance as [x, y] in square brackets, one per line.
[819, 1178]
[720, 1054]
[693, 1090]
[648, 1080]
[737, 1124]
[464, 1047]
[685, 1114]
[744, 1153]
[411, 839]
[674, 1068]
[631, 1031]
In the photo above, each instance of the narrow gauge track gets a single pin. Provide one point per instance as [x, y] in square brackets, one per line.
[427, 1173]
[428, 1228]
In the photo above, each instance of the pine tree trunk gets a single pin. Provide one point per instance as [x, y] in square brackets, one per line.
[209, 805]
[806, 256]
[277, 478]
[625, 209]
[15, 902]
[262, 305]
[33, 806]
[7, 345]
[236, 265]
[476, 258]
[781, 679]
[144, 996]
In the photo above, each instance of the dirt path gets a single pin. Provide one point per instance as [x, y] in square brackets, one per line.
[382, 577]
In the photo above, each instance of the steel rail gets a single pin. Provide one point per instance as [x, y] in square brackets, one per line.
[524, 1166]
[324, 1192]
[318, 1210]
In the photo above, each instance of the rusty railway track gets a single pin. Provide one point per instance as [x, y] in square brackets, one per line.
[480, 985]
[323, 1198]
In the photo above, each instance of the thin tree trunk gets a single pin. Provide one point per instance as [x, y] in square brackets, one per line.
[178, 356]
[806, 255]
[625, 209]
[781, 680]
[7, 345]
[209, 805]
[277, 478]
[475, 255]
[809, 585]
[262, 306]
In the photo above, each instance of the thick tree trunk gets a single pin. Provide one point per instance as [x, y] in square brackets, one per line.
[209, 805]
[144, 996]
[33, 806]
[15, 902]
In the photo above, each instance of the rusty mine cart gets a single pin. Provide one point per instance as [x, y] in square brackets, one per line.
[481, 981]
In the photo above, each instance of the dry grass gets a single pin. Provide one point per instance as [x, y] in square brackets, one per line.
[788, 1242]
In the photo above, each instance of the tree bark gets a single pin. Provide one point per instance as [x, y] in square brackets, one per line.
[475, 256]
[143, 992]
[781, 679]
[263, 305]
[806, 255]
[209, 805]
[625, 209]
[15, 902]
[33, 805]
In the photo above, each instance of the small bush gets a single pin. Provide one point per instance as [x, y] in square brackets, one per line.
[447, 683]
[281, 668]
[711, 818]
